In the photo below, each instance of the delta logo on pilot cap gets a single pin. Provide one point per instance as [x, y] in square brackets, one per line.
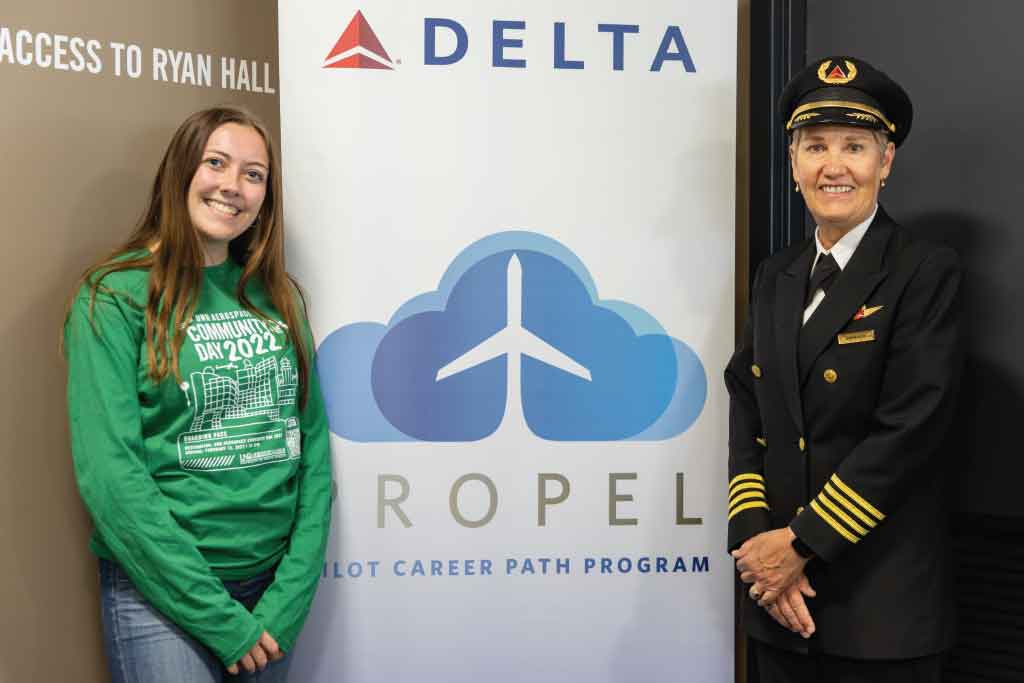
[514, 340]
[836, 75]
[846, 91]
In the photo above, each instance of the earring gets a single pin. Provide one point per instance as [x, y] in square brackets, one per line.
[883, 182]
[796, 188]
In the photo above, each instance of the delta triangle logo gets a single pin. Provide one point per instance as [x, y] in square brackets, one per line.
[358, 48]
[837, 73]
[837, 76]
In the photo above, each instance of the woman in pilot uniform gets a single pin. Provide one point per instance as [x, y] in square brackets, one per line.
[841, 390]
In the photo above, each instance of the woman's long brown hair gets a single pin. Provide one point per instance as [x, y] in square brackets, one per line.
[166, 244]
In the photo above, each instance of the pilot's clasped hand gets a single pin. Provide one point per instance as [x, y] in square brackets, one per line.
[790, 610]
[769, 563]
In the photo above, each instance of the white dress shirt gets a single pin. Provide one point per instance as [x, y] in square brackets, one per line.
[842, 252]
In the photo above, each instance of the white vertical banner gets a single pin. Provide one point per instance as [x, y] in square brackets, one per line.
[515, 221]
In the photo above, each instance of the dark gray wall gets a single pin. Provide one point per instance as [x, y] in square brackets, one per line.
[959, 178]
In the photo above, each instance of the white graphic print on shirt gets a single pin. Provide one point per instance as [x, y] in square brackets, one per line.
[243, 409]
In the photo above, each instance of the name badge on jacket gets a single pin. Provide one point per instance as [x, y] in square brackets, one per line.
[857, 337]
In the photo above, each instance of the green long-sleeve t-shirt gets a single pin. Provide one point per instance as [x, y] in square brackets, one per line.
[218, 477]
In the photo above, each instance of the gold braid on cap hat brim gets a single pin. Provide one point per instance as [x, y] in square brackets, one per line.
[839, 103]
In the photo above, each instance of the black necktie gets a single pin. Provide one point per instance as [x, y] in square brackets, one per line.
[825, 272]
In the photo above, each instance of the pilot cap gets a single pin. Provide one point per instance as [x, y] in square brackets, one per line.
[847, 91]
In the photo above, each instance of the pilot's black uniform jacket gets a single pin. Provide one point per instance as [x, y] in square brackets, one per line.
[836, 429]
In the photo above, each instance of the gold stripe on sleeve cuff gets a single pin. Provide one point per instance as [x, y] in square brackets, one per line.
[856, 498]
[746, 486]
[842, 515]
[833, 523]
[746, 477]
[755, 495]
[853, 509]
[747, 492]
[748, 506]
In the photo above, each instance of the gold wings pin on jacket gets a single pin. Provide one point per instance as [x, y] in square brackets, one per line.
[864, 312]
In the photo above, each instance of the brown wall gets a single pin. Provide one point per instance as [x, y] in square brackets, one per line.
[78, 153]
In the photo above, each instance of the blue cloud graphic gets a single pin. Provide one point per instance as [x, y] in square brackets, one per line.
[380, 381]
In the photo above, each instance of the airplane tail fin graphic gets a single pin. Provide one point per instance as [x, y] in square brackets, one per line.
[514, 338]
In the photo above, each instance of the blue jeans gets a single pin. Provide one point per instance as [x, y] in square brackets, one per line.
[143, 646]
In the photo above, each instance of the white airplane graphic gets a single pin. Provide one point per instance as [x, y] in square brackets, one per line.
[513, 340]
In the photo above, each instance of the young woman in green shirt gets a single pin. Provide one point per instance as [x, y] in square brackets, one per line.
[198, 430]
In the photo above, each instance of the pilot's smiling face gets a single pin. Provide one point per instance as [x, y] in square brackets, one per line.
[840, 170]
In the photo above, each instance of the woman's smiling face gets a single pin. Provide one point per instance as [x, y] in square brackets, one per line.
[840, 170]
[228, 188]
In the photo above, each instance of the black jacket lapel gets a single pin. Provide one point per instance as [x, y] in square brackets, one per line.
[849, 292]
[790, 293]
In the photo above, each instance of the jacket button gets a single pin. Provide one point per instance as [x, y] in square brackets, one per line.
[802, 444]
[800, 510]
[755, 370]
[831, 376]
